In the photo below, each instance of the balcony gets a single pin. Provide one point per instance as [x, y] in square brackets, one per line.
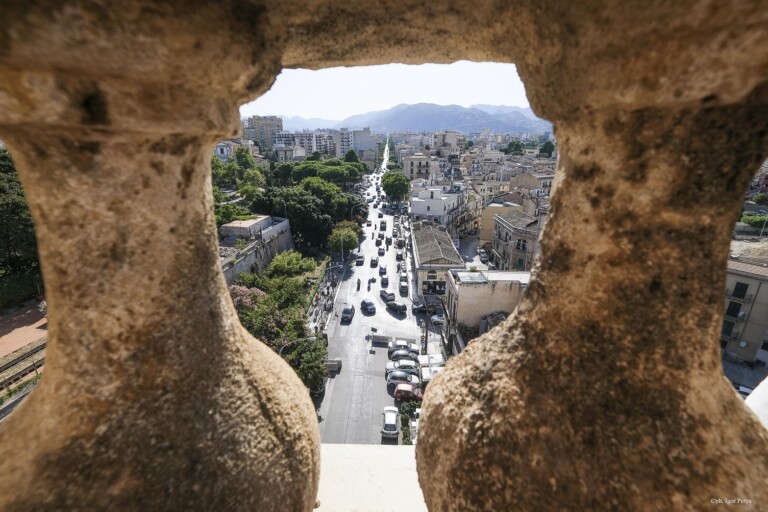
[738, 318]
[734, 336]
[746, 299]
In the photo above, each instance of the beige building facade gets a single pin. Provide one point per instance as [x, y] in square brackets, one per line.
[472, 295]
[745, 327]
[434, 255]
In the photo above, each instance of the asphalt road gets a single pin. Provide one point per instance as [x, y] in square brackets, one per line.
[350, 410]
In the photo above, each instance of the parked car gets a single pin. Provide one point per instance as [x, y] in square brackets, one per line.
[383, 270]
[347, 312]
[743, 391]
[360, 260]
[368, 223]
[399, 255]
[378, 242]
[404, 288]
[367, 306]
[381, 215]
[397, 307]
[390, 422]
[437, 319]
[389, 240]
[381, 251]
[401, 242]
[384, 281]
[398, 377]
[381, 235]
[408, 393]
[419, 307]
[386, 296]
[403, 345]
[374, 262]
[404, 365]
[403, 277]
[399, 355]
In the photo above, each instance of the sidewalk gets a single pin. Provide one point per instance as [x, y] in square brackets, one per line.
[21, 327]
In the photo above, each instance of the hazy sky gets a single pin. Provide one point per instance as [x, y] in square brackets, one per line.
[337, 93]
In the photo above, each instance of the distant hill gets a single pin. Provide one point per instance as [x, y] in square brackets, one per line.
[431, 117]
[297, 124]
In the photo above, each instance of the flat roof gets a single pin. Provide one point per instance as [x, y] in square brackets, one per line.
[245, 223]
[484, 276]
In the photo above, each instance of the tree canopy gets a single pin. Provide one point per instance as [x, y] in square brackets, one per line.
[310, 224]
[18, 246]
[351, 156]
[289, 264]
[343, 240]
[395, 184]
[547, 148]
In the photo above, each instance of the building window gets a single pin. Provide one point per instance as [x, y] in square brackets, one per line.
[733, 309]
[431, 275]
[727, 328]
[521, 245]
[764, 346]
[740, 290]
[428, 208]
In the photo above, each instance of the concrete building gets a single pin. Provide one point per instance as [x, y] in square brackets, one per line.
[515, 240]
[362, 140]
[434, 255]
[260, 129]
[290, 154]
[472, 296]
[345, 142]
[745, 329]
[433, 203]
[420, 165]
[250, 228]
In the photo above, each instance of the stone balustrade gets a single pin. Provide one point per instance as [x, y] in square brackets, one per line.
[603, 390]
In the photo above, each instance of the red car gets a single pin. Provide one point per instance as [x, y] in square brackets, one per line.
[408, 392]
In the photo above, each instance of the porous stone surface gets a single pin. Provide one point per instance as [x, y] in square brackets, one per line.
[603, 391]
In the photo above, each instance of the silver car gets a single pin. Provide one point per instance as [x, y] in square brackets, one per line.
[403, 365]
[390, 422]
[401, 377]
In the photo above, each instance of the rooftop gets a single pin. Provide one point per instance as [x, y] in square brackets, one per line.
[485, 276]
[517, 219]
[245, 223]
[748, 268]
[430, 243]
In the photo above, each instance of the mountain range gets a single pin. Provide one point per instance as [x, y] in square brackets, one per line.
[430, 117]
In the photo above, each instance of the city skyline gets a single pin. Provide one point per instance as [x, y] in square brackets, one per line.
[337, 93]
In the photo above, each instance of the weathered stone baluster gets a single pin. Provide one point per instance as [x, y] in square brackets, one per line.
[605, 391]
[154, 397]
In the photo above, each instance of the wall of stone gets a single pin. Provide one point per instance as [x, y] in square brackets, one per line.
[257, 256]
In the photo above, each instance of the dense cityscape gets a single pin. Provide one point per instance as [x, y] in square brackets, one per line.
[367, 260]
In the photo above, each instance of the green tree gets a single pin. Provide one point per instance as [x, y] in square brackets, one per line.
[547, 148]
[753, 219]
[761, 198]
[394, 166]
[251, 178]
[244, 158]
[468, 144]
[327, 192]
[315, 156]
[310, 224]
[226, 213]
[395, 184]
[351, 156]
[18, 246]
[283, 173]
[289, 264]
[348, 224]
[343, 239]
[308, 359]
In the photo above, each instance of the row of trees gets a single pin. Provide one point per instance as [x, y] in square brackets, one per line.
[341, 173]
[272, 307]
[19, 267]
[395, 184]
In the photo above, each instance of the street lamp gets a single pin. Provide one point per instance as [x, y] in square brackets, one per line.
[280, 352]
[353, 208]
[765, 214]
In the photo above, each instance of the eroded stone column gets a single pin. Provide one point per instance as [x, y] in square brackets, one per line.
[154, 397]
[604, 391]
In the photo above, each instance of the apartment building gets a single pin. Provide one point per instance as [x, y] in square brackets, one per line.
[261, 130]
[362, 140]
[345, 142]
[290, 154]
[420, 165]
[744, 336]
[515, 240]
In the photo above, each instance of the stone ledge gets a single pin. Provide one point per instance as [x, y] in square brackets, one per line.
[369, 478]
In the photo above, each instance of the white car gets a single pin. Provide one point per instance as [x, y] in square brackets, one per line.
[437, 320]
[403, 365]
[390, 422]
